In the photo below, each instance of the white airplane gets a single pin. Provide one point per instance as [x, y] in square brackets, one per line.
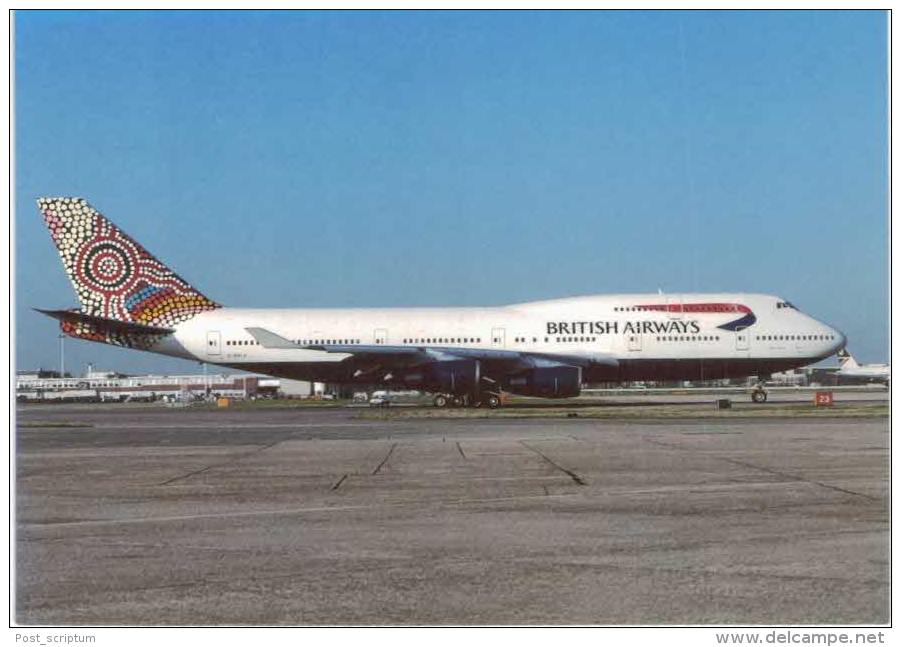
[862, 372]
[465, 356]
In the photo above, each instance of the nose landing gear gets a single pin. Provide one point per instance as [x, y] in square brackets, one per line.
[759, 394]
[491, 400]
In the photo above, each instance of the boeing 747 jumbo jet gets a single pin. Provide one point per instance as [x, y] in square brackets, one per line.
[464, 356]
[850, 369]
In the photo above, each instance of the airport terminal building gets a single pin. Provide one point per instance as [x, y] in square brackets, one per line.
[105, 386]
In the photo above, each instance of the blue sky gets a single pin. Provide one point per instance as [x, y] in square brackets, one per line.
[467, 158]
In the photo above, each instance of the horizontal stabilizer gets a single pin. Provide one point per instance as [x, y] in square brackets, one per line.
[113, 326]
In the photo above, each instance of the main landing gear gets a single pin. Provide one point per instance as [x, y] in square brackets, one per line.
[490, 400]
[758, 395]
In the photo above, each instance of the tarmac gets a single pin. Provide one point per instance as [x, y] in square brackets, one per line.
[284, 516]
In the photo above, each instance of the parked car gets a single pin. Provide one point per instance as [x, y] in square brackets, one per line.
[380, 401]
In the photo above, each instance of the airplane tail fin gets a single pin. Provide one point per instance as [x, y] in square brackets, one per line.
[845, 359]
[114, 277]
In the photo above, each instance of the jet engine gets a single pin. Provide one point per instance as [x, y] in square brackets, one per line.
[548, 382]
[458, 377]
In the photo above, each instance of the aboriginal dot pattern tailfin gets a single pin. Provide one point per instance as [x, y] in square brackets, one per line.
[113, 276]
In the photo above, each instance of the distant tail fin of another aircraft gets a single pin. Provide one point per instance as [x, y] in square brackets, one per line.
[114, 277]
[845, 360]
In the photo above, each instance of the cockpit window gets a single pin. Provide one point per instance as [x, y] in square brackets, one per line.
[785, 304]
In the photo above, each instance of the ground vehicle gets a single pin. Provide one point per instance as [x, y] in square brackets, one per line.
[380, 401]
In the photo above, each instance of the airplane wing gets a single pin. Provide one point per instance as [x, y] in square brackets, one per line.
[387, 355]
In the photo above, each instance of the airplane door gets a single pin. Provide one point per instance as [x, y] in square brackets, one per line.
[381, 336]
[633, 341]
[213, 342]
[498, 337]
[742, 339]
[674, 306]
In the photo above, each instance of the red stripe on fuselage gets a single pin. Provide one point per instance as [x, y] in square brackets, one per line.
[696, 307]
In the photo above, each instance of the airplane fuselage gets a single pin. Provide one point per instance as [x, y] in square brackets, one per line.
[645, 336]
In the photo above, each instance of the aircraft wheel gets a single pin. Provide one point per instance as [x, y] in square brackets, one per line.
[440, 401]
[493, 401]
[758, 396]
[457, 401]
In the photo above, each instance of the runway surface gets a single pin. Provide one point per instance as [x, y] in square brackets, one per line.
[306, 516]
